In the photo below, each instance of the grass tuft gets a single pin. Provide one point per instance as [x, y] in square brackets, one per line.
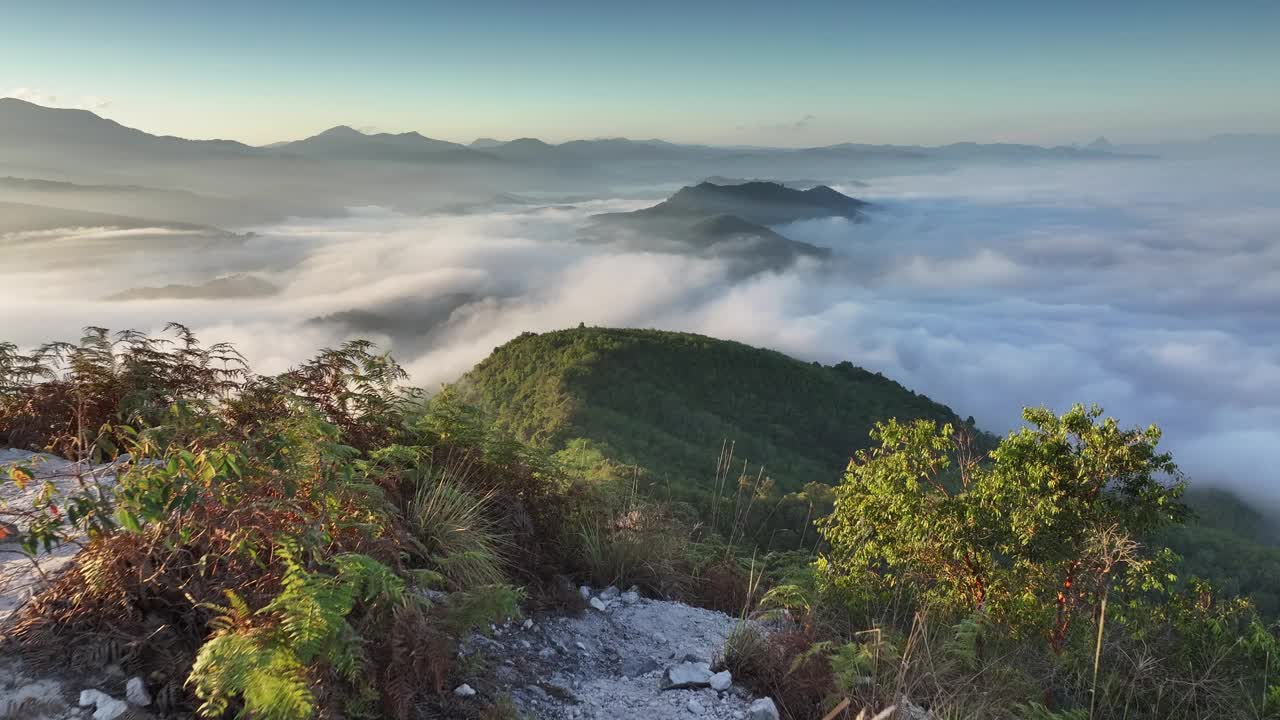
[456, 529]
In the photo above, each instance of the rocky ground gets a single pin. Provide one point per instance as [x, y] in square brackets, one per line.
[20, 575]
[25, 694]
[624, 657]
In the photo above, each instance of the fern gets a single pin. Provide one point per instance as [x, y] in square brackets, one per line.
[264, 656]
[273, 684]
[243, 660]
[786, 598]
[419, 649]
[965, 644]
[370, 579]
[853, 662]
[815, 650]
[312, 609]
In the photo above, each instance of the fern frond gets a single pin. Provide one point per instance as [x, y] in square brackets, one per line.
[814, 650]
[272, 682]
[965, 644]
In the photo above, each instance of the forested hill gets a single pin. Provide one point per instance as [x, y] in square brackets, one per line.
[1232, 543]
[667, 401]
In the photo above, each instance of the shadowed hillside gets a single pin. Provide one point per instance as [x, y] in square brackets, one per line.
[766, 203]
[731, 221]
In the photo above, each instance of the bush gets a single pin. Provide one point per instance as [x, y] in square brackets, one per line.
[1022, 584]
[1022, 535]
[267, 551]
[624, 540]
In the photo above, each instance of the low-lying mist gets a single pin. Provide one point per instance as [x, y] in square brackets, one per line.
[1150, 288]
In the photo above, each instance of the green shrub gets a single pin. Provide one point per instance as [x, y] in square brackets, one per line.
[1014, 536]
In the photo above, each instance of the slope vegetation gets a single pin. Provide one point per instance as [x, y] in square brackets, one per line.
[667, 401]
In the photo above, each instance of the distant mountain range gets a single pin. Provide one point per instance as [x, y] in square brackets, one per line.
[343, 142]
[229, 287]
[230, 181]
[1235, 146]
[26, 217]
[159, 206]
[409, 323]
[797, 184]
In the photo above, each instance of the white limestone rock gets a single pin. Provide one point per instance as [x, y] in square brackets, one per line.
[106, 707]
[687, 675]
[135, 691]
[763, 709]
[721, 681]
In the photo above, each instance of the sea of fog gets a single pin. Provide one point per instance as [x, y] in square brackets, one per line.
[1150, 288]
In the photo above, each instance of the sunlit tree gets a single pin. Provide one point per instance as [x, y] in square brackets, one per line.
[1023, 534]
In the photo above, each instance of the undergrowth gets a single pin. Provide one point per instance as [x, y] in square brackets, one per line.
[315, 544]
[272, 547]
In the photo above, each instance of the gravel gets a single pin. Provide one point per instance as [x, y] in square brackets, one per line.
[612, 663]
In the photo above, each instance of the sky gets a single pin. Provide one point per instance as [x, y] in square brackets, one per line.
[791, 73]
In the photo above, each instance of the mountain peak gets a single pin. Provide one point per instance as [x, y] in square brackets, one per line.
[527, 142]
[763, 202]
[648, 371]
[341, 131]
[13, 104]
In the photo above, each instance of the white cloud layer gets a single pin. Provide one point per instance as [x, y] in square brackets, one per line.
[1149, 288]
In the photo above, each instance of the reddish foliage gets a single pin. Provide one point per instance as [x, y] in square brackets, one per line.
[724, 586]
[772, 668]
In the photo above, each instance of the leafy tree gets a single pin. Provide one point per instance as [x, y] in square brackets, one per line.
[1033, 534]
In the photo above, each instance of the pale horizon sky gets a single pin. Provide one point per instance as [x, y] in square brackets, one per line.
[763, 73]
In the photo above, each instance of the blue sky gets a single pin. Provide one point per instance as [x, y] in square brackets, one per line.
[782, 73]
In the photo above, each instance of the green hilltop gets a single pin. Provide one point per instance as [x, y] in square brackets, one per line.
[667, 401]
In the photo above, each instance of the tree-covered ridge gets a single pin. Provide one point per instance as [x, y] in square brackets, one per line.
[1232, 544]
[666, 401]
